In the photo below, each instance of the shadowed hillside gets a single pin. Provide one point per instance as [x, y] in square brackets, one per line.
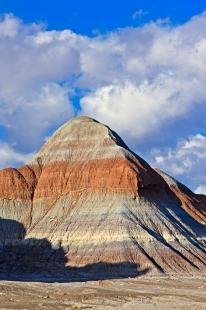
[10, 231]
[35, 259]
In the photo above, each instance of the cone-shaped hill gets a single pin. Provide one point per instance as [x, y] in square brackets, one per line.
[88, 193]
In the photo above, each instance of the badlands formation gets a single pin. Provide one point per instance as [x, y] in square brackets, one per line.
[87, 193]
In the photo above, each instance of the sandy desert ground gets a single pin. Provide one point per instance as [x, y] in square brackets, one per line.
[141, 293]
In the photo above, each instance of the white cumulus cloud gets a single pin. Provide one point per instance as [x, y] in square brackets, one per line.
[201, 189]
[9, 156]
[141, 81]
[27, 117]
[186, 161]
[139, 13]
[156, 74]
[33, 95]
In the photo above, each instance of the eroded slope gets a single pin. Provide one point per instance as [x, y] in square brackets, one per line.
[86, 192]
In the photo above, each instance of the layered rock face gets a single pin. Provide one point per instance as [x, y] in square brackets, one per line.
[86, 192]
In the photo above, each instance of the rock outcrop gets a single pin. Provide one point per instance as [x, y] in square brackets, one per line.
[86, 192]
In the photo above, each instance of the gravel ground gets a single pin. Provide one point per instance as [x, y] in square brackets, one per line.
[142, 293]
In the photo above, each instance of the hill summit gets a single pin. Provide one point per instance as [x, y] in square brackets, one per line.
[86, 192]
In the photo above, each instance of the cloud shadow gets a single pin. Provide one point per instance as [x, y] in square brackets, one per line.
[33, 260]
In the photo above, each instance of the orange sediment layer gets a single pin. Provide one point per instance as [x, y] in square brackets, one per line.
[18, 183]
[104, 174]
[62, 177]
[194, 205]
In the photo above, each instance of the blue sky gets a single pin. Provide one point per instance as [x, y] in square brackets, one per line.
[86, 17]
[138, 66]
[99, 17]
